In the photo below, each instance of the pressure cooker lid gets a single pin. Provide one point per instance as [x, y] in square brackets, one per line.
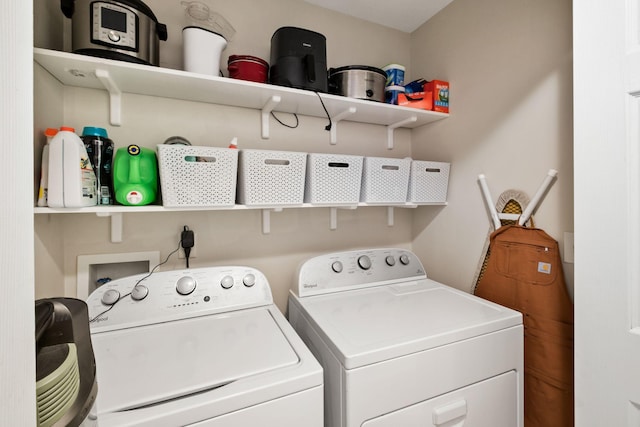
[68, 8]
[357, 68]
[139, 5]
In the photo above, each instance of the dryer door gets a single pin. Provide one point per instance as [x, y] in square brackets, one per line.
[490, 403]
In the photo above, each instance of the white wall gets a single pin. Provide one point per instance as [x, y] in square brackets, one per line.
[17, 348]
[510, 68]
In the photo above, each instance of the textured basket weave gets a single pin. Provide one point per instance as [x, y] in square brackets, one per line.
[197, 176]
[271, 178]
[333, 179]
[428, 181]
[385, 180]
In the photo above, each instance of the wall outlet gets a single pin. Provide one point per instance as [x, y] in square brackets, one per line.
[194, 251]
[92, 268]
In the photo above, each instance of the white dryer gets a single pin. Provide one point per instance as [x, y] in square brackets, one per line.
[200, 347]
[399, 349]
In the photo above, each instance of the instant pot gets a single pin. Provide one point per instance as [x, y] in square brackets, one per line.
[126, 30]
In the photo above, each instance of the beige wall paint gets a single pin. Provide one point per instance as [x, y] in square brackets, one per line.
[225, 237]
[509, 64]
[510, 68]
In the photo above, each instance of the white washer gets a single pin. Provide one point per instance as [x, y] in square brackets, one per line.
[202, 347]
[399, 349]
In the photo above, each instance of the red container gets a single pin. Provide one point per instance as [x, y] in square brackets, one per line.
[245, 67]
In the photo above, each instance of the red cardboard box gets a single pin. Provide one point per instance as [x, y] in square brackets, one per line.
[440, 91]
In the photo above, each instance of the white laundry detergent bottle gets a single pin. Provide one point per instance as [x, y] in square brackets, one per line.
[72, 182]
[44, 170]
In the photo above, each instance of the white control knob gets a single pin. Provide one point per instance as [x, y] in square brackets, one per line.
[337, 266]
[110, 297]
[391, 261]
[249, 280]
[226, 282]
[186, 285]
[404, 259]
[139, 292]
[364, 262]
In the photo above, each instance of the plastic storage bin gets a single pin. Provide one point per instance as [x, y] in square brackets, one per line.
[271, 178]
[333, 179]
[192, 176]
[385, 180]
[428, 182]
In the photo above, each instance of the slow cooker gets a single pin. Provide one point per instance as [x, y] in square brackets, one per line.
[358, 81]
[126, 30]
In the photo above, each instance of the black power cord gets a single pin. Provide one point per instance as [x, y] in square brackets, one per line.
[137, 283]
[187, 241]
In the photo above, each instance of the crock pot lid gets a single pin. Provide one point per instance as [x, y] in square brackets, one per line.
[234, 58]
[138, 5]
[359, 68]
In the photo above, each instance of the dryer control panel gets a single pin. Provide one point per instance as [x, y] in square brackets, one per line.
[357, 269]
[163, 296]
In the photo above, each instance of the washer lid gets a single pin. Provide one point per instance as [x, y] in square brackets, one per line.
[370, 325]
[156, 363]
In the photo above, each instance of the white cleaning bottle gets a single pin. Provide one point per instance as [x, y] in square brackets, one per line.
[44, 170]
[72, 182]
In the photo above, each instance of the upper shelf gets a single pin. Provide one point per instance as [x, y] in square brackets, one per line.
[123, 77]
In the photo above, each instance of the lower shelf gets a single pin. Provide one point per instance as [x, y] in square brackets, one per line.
[106, 209]
[115, 212]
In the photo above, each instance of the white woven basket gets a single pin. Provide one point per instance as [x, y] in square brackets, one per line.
[271, 178]
[428, 182]
[333, 179]
[385, 180]
[197, 176]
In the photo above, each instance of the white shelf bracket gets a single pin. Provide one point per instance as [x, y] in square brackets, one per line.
[392, 127]
[333, 213]
[334, 123]
[390, 213]
[116, 225]
[266, 219]
[115, 96]
[266, 110]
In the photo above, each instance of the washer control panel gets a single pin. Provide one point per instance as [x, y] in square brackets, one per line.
[164, 296]
[357, 269]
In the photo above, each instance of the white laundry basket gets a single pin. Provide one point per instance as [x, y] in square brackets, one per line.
[428, 182]
[193, 176]
[271, 178]
[385, 180]
[333, 179]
